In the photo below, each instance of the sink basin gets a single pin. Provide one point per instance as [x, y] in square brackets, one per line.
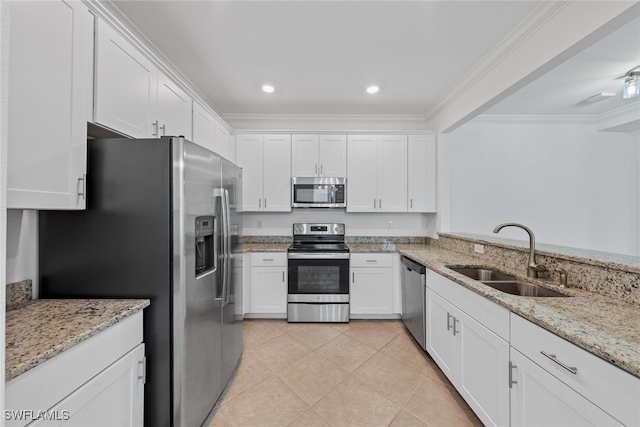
[523, 289]
[505, 283]
[482, 274]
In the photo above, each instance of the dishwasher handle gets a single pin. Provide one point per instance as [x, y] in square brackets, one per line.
[413, 266]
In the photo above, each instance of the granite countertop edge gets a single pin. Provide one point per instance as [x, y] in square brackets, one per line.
[573, 319]
[15, 368]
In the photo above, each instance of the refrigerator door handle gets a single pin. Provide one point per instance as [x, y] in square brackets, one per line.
[226, 251]
[218, 251]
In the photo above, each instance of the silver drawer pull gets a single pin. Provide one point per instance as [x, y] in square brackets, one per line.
[553, 357]
[267, 259]
[372, 260]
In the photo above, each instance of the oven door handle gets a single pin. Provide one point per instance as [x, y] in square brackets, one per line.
[319, 255]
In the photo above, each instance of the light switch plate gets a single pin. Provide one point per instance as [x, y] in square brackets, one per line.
[479, 249]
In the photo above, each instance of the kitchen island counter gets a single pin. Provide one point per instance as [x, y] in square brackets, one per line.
[38, 330]
[604, 326]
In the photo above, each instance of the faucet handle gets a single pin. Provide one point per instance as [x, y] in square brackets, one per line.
[563, 277]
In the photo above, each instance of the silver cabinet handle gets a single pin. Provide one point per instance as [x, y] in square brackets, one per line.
[511, 380]
[155, 128]
[455, 331]
[267, 259]
[259, 202]
[316, 170]
[143, 364]
[163, 128]
[553, 357]
[321, 172]
[82, 188]
[374, 204]
[265, 203]
[283, 275]
[353, 277]
[448, 321]
[411, 203]
[380, 204]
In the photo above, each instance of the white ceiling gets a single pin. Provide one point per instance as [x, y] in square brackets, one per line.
[321, 55]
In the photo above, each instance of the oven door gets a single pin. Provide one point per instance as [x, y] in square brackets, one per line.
[318, 278]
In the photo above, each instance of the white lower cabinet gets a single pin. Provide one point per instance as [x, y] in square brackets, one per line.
[268, 284]
[99, 382]
[540, 399]
[472, 356]
[558, 383]
[371, 290]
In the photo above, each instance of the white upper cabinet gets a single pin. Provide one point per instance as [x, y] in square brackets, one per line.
[376, 173]
[173, 110]
[132, 96]
[421, 173]
[266, 164]
[204, 127]
[126, 85]
[319, 156]
[49, 84]
[210, 133]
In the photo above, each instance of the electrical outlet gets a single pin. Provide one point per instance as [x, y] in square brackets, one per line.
[259, 223]
[479, 249]
[389, 224]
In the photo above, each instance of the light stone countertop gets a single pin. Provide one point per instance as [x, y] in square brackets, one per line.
[604, 326]
[38, 330]
[265, 247]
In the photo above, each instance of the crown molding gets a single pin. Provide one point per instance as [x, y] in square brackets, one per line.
[328, 123]
[490, 118]
[109, 12]
[534, 21]
[623, 119]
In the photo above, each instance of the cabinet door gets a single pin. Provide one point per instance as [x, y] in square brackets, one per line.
[249, 150]
[268, 290]
[174, 109]
[277, 173]
[540, 399]
[333, 156]
[49, 84]
[371, 291]
[114, 397]
[126, 85]
[440, 339]
[483, 375]
[304, 156]
[204, 127]
[421, 176]
[392, 173]
[221, 144]
[362, 173]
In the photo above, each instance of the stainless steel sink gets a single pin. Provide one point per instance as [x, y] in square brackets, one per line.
[505, 283]
[482, 274]
[523, 289]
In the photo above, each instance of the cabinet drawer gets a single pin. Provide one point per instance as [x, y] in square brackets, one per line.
[609, 387]
[491, 315]
[269, 259]
[371, 260]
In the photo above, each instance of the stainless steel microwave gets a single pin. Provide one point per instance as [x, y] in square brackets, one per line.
[318, 193]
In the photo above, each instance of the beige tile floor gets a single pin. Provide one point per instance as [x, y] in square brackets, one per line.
[364, 373]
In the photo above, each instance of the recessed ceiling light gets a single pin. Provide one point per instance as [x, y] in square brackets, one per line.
[373, 89]
[268, 88]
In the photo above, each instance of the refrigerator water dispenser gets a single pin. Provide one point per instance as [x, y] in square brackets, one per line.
[205, 256]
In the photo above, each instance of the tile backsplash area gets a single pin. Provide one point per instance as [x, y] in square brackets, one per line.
[608, 279]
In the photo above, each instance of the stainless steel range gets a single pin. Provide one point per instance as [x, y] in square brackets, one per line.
[318, 274]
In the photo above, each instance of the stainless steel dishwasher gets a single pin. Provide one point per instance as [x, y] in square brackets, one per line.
[413, 299]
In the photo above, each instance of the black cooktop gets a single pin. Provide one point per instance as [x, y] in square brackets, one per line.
[318, 247]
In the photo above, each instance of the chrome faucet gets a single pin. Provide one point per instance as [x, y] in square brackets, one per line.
[532, 269]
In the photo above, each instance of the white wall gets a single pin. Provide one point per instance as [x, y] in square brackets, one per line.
[356, 224]
[573, 186]
[22, 246]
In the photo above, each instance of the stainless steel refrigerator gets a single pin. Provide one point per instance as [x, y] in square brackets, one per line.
[161, 223]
